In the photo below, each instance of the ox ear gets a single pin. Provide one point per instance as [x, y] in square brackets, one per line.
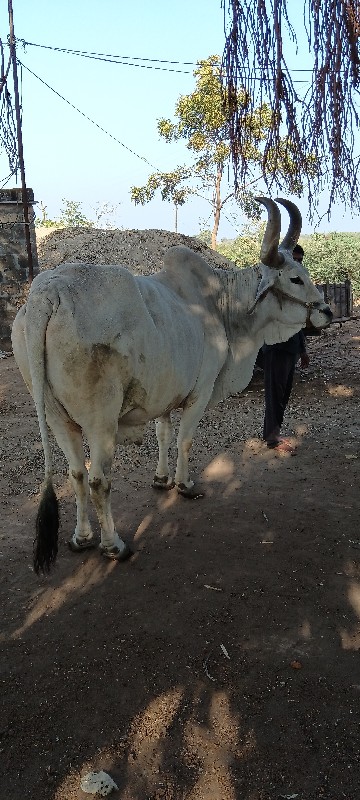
[266, 282]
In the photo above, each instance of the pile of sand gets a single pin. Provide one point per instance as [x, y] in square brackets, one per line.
[140, 251]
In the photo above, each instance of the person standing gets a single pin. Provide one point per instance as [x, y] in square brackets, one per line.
[279, 361]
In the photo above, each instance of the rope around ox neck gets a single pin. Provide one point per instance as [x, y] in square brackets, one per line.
[279, 293]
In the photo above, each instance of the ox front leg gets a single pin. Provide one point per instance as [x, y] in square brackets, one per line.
[111, 544]
[189, 422]
[163, 428]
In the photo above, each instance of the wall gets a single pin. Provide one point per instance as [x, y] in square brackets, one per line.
[14, 257]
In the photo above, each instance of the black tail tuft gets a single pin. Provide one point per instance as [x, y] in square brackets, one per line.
[47, 529]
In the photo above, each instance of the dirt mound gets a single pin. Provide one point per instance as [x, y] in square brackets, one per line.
[140, 251]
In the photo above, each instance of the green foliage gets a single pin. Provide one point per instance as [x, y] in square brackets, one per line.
[330, 258]
[245, 249]
[46, 223]
[72, 216]
[205, 236]
[169, 184]
[333, 257]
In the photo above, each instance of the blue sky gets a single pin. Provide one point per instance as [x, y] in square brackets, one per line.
[68, 157]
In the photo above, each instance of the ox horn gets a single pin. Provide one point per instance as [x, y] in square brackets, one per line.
[292, 236]
[269, 254]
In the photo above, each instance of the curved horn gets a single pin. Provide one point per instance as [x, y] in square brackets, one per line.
[292, 236]
[269, 254]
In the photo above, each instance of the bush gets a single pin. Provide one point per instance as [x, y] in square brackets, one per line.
[334, 257]
[329, 257]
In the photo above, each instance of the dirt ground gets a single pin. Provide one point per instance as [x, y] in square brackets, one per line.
[222, 661]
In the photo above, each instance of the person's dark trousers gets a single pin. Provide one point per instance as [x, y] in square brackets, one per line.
[279, 368]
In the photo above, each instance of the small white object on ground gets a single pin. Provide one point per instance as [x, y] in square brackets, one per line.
[226, 654]
[97, 783]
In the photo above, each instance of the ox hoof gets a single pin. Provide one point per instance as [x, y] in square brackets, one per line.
[163, 483]
[116, 553]
[191, 492]
[76, 545]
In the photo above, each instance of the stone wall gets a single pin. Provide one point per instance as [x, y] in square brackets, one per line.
[14, 269]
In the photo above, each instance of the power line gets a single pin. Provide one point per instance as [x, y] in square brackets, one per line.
[113, 59]
[106, 55]
[142, 158]
[130, 60]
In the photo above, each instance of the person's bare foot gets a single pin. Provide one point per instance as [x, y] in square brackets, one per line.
[285, 446]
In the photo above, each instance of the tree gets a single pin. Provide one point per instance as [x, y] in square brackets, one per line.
[45, 222]
[72, 216]
[105, 215]
[245, 249]
[319, 124]
[169, 184]
[203, 122]
[205, 236]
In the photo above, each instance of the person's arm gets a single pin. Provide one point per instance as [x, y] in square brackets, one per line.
[304, 358]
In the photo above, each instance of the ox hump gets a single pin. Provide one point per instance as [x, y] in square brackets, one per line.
[180, 257]
[184, 267]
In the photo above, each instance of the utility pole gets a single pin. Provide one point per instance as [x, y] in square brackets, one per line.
[20, 142]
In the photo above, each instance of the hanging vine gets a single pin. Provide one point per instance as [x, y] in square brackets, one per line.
[319, 126]
[8, 138]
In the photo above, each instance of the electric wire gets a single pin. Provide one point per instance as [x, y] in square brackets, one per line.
[142, 158]
[129, 61]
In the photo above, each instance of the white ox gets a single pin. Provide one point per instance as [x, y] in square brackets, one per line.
[103, 352]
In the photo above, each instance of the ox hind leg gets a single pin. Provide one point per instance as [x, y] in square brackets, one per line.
[69, 438]
[102, 446]
[163, 428]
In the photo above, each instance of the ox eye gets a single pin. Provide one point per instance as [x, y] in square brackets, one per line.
[297, 280]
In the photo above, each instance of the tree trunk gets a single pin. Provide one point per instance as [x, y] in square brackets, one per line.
[216, 208]
[176, 218]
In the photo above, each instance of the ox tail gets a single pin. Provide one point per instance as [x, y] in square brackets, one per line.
[47, 529]
[39, 311]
